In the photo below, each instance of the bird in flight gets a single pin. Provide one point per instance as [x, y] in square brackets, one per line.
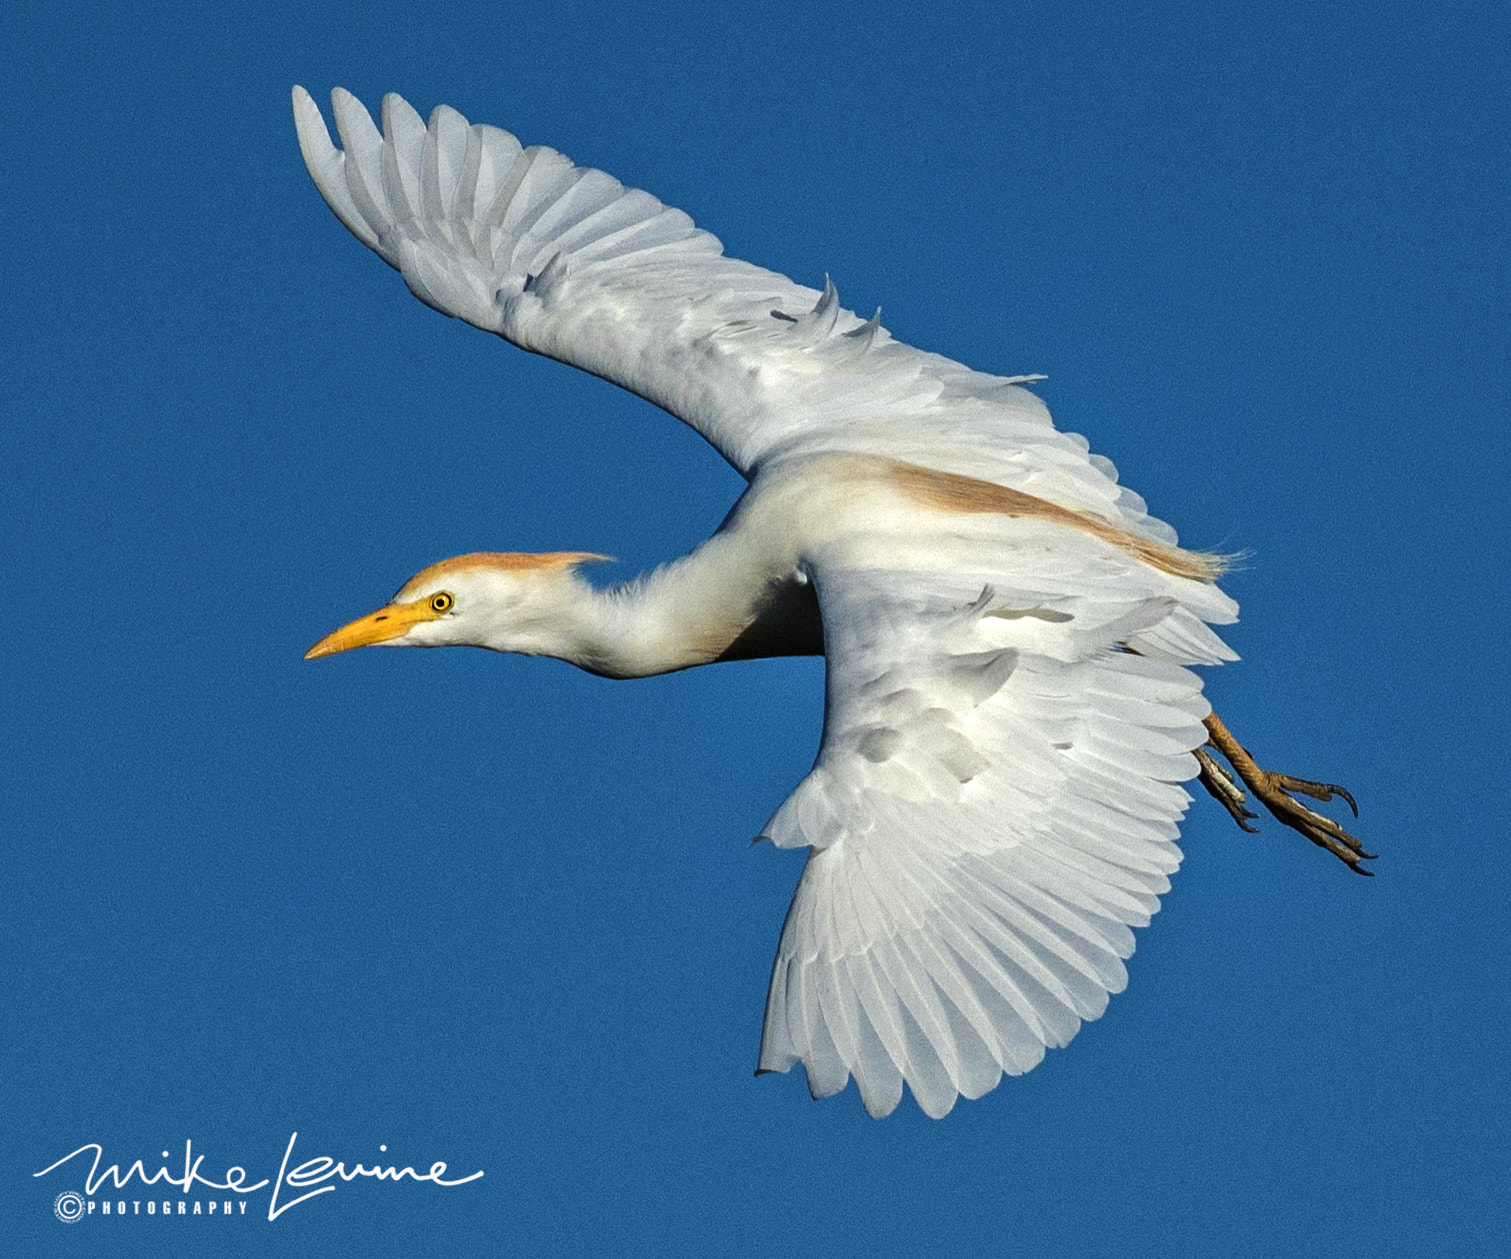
[1010, 709]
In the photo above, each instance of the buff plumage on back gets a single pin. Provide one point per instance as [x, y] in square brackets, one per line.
[950, 492]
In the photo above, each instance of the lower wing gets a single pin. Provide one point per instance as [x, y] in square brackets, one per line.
[994, 806]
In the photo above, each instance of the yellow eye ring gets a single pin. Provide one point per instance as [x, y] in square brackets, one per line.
[441, 602]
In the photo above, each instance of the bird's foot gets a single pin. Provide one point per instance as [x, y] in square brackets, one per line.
[1275, 792]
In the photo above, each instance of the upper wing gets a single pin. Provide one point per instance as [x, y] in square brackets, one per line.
[993, 806]
[569, 263]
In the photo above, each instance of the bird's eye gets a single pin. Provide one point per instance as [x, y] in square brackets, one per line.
[440, 602]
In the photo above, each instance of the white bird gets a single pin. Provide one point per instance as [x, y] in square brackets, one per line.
[1009, 707]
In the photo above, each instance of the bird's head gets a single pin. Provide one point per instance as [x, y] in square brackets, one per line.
[502, 600]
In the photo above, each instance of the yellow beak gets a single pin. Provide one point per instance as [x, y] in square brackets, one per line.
[387, 622]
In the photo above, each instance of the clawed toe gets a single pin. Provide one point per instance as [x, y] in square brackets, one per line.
[1317, 791]
[1274, 791]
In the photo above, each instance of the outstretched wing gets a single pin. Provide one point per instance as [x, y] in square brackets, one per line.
[567, 262]
[993, 807]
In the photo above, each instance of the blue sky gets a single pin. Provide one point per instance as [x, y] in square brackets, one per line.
[495, 912]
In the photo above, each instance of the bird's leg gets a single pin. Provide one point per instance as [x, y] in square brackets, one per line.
[1274, 792]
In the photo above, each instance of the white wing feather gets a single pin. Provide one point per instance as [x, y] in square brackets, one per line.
[993, 807]
[567, 262]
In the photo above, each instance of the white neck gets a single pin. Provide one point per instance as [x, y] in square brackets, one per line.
[683, 614]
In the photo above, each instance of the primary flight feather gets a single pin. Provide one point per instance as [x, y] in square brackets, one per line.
[1010, 709]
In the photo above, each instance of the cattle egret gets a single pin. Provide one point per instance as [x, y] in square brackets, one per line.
[1010, 709]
